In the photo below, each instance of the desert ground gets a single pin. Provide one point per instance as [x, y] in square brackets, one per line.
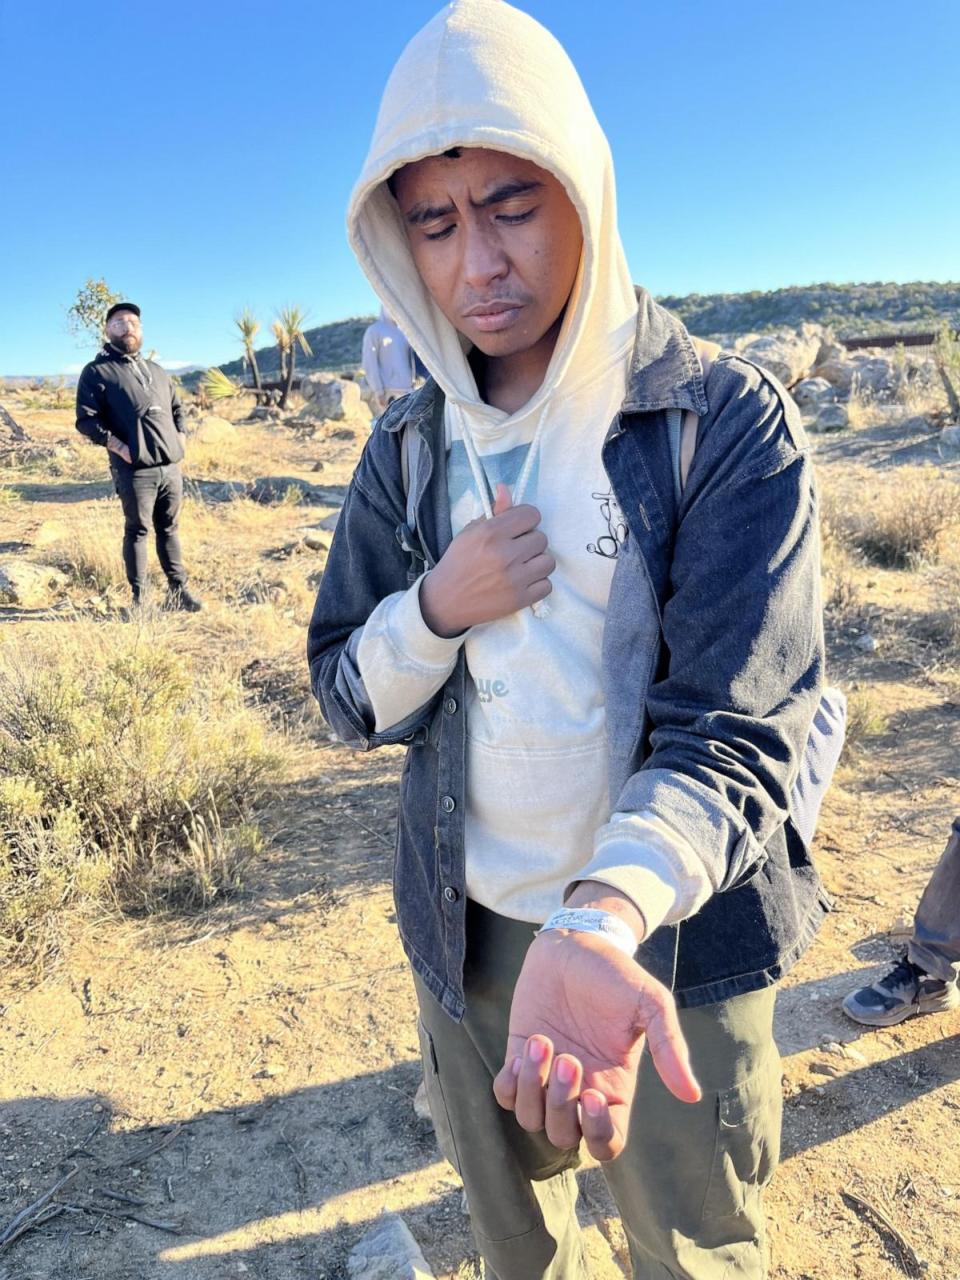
[229, 1088]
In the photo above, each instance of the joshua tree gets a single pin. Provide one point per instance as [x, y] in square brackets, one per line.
[249, 327]
[290, 322]
[281, 339]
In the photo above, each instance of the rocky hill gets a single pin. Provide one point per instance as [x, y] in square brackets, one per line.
[848, 308]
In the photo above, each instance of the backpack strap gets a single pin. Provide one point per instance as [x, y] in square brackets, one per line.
[683, 426]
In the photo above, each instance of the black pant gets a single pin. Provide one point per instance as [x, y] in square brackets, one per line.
[150, 495]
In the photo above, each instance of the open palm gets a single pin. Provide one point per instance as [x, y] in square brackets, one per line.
[580, 1011]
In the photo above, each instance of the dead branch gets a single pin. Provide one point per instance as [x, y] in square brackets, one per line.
[33, 1215]
[904, 1252]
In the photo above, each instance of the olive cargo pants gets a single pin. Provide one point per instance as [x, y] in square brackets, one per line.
[688, 1185]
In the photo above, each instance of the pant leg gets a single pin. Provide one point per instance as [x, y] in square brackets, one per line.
[935, 946]
[521, 1191]
[689, 1182]
[166, 521]
[137, 491]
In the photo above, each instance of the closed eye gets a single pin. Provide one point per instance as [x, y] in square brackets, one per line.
[438, 235]
[511, 219]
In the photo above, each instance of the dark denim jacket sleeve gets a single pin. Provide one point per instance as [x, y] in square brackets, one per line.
[365, 565]
[731, 709]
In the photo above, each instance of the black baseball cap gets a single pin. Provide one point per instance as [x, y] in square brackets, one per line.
[122, 306]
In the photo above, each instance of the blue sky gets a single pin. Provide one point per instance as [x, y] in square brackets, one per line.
[199, 155]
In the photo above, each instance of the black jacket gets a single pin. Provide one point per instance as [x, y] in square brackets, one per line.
[137, 401]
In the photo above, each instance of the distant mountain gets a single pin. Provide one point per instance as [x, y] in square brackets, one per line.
[851, 309]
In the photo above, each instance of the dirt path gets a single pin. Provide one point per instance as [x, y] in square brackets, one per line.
[249, 1075]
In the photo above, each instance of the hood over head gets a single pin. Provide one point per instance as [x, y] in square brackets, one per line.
[483, 74]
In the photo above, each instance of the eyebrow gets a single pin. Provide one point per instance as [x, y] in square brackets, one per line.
[421, 213]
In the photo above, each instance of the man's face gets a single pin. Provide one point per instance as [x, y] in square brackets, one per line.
[123, 330]
[497, 243]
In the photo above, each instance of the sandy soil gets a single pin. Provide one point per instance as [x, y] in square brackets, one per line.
[243, 1081]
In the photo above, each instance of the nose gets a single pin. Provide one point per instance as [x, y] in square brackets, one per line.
[484, 258]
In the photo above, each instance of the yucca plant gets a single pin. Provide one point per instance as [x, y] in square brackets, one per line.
[215, 385]
[291, 321]
[249, 327]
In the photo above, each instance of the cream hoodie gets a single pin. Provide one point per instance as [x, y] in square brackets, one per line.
[482, 73]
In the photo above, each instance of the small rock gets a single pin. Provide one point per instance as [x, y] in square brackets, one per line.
[317, 539]
[867, 643]
[832, 417]
[388, 1252]
[810, 393]
[268, 1072]
[826, 1069]
[213, 430]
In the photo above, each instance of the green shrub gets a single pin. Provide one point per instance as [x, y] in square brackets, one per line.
[130, 776]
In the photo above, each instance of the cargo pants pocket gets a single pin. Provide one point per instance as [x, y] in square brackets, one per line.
[747, 1148]
[435, 1100]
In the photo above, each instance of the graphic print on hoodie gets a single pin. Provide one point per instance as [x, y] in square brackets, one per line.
[483, 74]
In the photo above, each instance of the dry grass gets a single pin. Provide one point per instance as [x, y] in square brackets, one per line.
[865, 720]
[131, 775]
[895, 519]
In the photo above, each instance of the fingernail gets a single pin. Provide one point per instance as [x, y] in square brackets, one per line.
[515, 1066]
[592, 1104]
[565, 1071]
[537, 1050]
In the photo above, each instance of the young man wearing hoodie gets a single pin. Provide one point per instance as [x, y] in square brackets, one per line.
[604, 677]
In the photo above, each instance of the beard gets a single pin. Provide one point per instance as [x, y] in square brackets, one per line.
[130, 343]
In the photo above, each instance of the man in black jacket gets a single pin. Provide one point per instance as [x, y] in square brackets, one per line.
[130, 406]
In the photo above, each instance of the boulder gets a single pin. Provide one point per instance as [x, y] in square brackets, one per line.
[34, 586]
[330, 397]
[388, 1252]
[874, 375]
[810, 393]
[789, 354]
[832, 417]
[218, 490]
[273, 489]
[950, 441]
[213, 430]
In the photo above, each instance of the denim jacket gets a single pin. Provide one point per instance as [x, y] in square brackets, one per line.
[708, 708]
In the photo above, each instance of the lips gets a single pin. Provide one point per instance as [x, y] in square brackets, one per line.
[489, 317]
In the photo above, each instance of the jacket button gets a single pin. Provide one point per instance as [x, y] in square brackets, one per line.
[450, 706]
[450, 893]
[447, 804]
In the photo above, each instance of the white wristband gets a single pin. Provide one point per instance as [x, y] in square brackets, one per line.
[593, 920]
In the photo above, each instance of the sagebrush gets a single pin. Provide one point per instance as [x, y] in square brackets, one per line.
[128, 775]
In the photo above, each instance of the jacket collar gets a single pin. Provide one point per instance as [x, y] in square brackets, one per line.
[665, 372]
